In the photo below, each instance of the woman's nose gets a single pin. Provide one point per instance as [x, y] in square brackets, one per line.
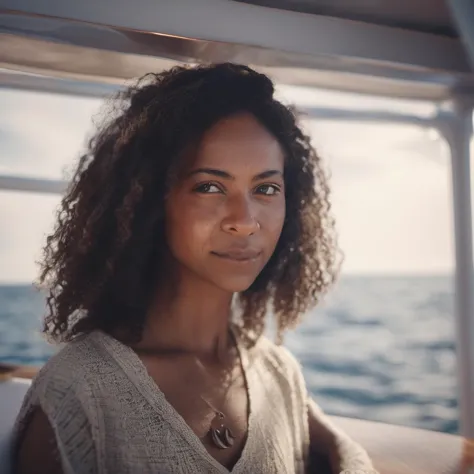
[240, 218]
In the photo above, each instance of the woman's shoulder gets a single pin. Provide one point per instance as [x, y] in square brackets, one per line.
[276, 359]
[281, 386]
[59, 400]
[267, 349]
[67, 372]
[70, 362]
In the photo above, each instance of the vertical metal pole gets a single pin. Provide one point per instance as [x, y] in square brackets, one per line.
[457, 129]
[463, 13]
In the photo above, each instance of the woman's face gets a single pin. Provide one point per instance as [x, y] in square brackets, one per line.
[225, 214]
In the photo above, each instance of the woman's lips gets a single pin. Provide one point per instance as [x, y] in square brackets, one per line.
[239, 255]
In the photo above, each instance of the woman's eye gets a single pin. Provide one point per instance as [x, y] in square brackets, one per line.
[207, 188]
[268, 189]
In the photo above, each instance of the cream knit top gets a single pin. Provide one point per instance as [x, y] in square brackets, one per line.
[109, 416]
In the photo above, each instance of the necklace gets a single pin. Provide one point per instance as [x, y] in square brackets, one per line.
[221, 435]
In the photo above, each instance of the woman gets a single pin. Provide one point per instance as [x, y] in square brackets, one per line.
[199, 208]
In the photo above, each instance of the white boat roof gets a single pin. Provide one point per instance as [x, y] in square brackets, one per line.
[417, 49]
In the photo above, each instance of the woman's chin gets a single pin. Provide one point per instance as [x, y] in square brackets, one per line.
[235, 284]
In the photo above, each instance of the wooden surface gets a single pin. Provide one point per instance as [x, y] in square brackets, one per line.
[403, 450]
[8, 371]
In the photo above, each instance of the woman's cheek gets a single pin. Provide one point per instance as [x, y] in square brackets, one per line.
[274, 218]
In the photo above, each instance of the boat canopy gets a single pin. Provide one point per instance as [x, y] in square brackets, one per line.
[420, 50]
[417, 49]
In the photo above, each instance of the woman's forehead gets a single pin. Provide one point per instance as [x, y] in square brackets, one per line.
[239, 141]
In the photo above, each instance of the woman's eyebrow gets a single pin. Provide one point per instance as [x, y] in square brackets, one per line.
[224, 174]
[212, 171]
[267, 174]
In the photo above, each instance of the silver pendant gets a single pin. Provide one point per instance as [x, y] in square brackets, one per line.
[221, 436]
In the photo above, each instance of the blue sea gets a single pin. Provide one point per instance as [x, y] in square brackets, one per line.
[379, 348]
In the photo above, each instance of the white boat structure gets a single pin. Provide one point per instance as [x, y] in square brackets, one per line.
[419, 50]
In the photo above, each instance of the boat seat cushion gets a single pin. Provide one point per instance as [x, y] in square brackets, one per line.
[12, 392]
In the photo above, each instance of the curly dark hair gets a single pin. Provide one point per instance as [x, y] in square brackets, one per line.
[101, 263]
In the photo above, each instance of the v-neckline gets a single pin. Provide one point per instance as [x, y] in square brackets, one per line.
[136, 371]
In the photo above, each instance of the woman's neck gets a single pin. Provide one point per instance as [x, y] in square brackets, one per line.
[190, 318]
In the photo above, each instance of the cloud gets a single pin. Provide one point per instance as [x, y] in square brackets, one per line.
[391, 196]
[26, 219]
[41, 134]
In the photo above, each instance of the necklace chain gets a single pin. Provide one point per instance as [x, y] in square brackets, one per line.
[212, 407]
[221, 435]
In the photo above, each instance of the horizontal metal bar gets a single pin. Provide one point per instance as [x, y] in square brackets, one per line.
[52, 85]
[368, 116]
[32, 185]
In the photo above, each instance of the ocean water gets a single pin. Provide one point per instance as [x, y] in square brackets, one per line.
[379, 348]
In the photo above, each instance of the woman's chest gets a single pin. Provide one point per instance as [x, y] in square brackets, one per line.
[213, 406]
[147, 432]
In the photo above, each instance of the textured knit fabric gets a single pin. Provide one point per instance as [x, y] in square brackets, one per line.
[109, 416]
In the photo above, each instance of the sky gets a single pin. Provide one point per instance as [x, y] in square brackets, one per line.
[391, 188]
